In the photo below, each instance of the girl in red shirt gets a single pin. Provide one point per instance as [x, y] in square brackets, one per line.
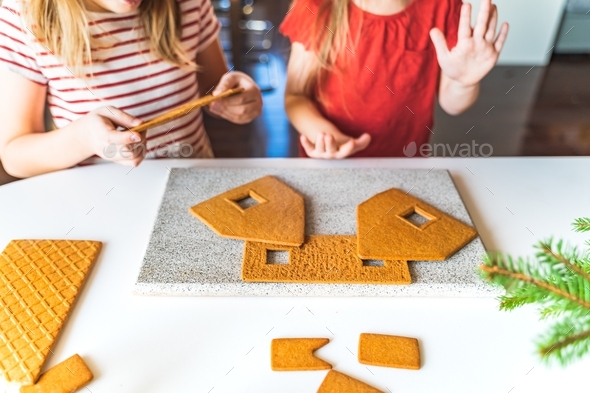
[363, 75]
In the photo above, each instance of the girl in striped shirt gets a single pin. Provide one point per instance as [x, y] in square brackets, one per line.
[102, 66]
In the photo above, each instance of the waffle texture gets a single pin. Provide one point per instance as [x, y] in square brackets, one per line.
[39, 282]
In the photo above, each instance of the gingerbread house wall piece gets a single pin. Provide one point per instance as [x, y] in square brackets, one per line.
[398, 226]
[321, 259]
[265, 210]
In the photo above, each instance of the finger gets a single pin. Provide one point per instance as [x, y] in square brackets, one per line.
[492, 25]
[240, 114]
[331, 147]
[125, 152]
[246, 107]
[362, 142]
[320, 146]
[138, 150]
[224, 113]
[307, 145]
[227, 81]
[465, 22]
[440, 43]
[345, 149]
[246, 97]
[237, 110]
[499, 43]
[228, 113]
[118, 117]
[232, 80]
[481, 25]
[122, 137]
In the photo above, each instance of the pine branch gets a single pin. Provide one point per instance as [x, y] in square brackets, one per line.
[546, 248]
[493, 270]
[582, 225]
[520, 278]
[567, 340]
[561, 344]
[559, 281]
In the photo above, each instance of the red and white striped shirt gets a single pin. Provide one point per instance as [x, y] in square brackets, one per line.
[124, 73]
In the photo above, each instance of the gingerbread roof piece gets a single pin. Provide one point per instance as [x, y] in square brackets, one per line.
[265, 210]
[336, 382]
[395, 225]
[39, 283]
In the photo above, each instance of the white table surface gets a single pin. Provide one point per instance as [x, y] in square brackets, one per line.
[164, 344]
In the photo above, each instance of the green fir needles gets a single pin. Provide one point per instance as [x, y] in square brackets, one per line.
[558, 280]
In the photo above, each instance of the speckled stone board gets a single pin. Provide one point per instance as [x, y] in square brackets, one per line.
[185, 257]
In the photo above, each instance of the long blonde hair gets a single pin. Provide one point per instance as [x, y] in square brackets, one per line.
[331, 32]
[331, 38]
[62, 27]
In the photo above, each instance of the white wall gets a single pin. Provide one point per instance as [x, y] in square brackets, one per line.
[574, 36]
[533, 29]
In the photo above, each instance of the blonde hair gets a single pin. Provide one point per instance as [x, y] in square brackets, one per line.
[331, 38]
[62, 27]
[331, 32]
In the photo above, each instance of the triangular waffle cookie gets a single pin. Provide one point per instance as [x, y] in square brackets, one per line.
[39, 282]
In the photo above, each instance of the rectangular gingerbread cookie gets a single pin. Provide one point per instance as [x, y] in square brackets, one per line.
[321, 259]
[389, 351]
[66, 377]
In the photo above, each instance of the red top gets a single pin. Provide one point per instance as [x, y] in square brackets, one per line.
[390, 82]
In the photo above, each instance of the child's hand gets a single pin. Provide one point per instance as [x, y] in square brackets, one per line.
[477, 50]
[241, 108]
[325, 146]
[98, 130]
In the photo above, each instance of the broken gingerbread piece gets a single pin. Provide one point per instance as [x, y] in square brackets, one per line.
[296, 354]
[389, 351]
[66, 377]
[265, 210]
[398, 226]
[336, 382]
[321, 259]
[39, 283]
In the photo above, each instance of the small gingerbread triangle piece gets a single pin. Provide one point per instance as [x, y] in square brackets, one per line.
[336, 382]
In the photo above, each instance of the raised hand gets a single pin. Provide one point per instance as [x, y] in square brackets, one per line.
[477, 49]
